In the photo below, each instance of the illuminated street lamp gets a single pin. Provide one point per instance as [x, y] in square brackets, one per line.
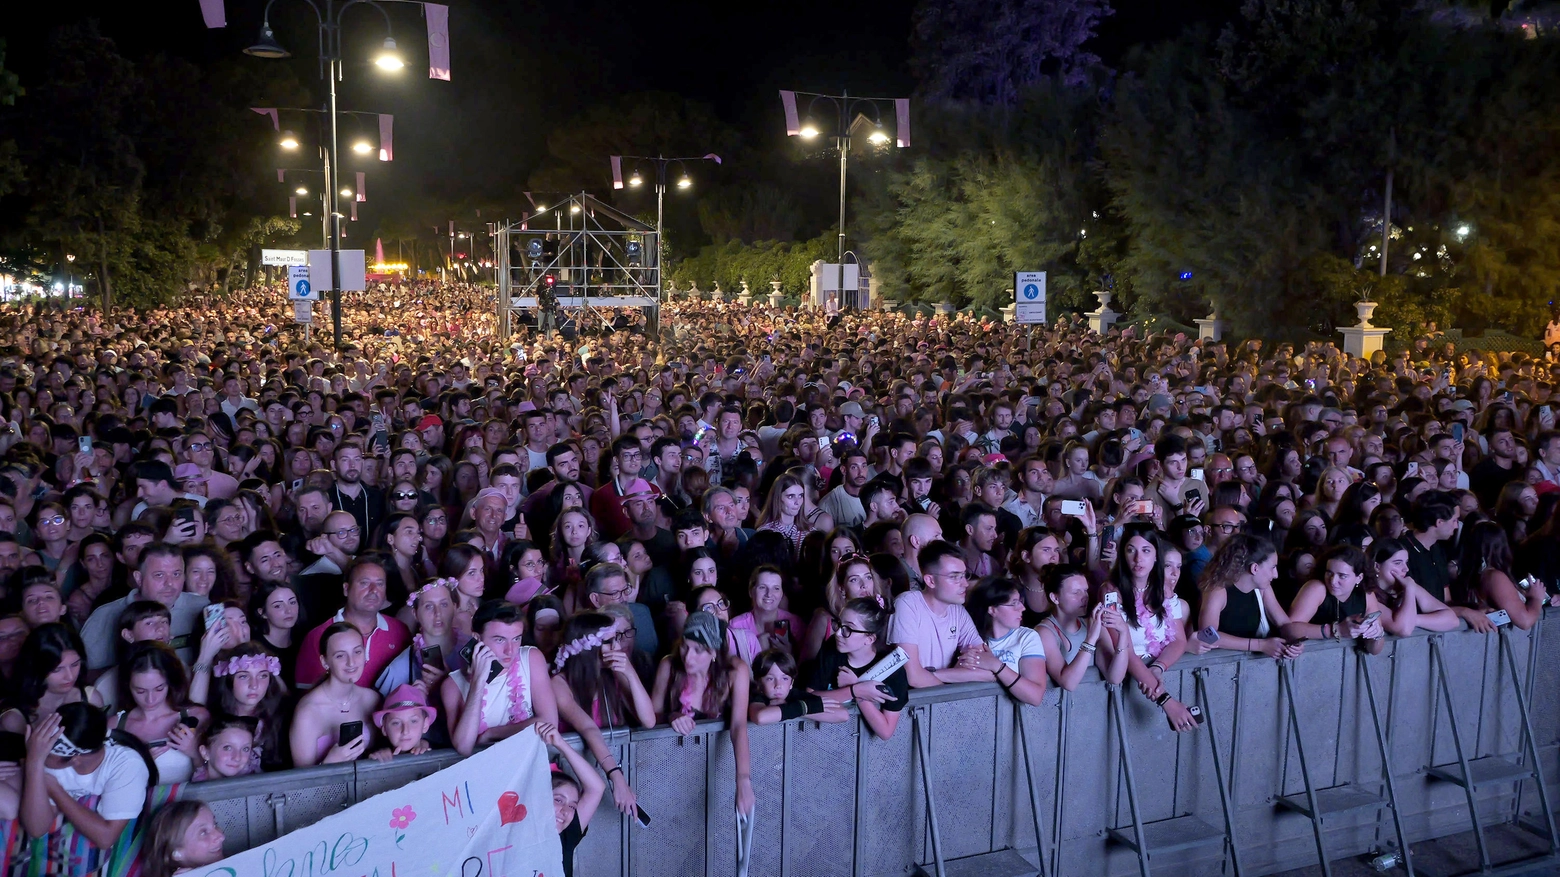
[289, 140]
[661, 163]
[362, 147]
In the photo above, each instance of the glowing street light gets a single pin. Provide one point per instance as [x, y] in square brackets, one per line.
[809, 131]
[878, 137]
[301, 190]
[636, 180]
[389, 58]
[289, 140]
[346, 193]
[684, 182]
[362, 147]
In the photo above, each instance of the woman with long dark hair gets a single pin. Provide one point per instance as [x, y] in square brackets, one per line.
[697, 682]
[1485, 580]
[1138, 581]
[50, 672]
[596, 687]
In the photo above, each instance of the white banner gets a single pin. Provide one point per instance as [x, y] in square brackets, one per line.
[354, 270]
[490, 814]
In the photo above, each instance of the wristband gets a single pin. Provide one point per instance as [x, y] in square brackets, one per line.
[1087, 647]
[792, 709]
[813, 703]
[1160, 700]
[617, 768]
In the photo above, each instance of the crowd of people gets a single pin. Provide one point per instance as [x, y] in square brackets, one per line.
[226, 550]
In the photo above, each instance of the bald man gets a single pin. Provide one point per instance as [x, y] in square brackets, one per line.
[918, 531]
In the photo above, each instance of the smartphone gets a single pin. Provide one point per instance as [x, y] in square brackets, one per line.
[433, 656]
[349, 731]
[297, 484]
[1506, 396]
[1457, 432]
[1140, 507]
[1074, 507]
[1196, 474]
[1112, 598]
[783, 627]
[699, 436]
[188, 720]
[185, 515]
[641, 817]
[872, 421]
[1546, 413]
[1527, 582]
[212, 613]
[84, 444]
[1499, 618]
[1209, 635]
[1371, 617]
[1197, 714]
[1412, 470]
[466, 652]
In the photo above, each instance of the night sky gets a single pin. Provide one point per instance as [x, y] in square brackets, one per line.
[520, 68]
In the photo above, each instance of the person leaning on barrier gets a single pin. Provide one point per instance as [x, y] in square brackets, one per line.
[856, 646]
[781, 699]
[931, 624]
[1238, 601]
[1340, 605]
[1014, 653]
[699, 681]
[1405, 606]
[1485, 581]
[1155, 631]
[1071, 631]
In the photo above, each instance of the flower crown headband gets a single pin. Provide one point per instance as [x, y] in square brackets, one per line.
[236, 663]
[448, 584]
[582, 645]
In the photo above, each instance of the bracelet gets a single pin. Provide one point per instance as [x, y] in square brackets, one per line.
[618, 768]
[1160, 700]
[1087, 647]
[1091, 535]
[201, 668]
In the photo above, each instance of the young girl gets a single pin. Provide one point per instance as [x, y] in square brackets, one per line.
[1404, 604]
[335, 701]
[154, 686]
[852, 580]
[595, 686]
[574, 800]
[781, 701]
[182, 836]
[1340, 606]
[1238, 600]
[696, 681]
[228, 749]
[857, 645]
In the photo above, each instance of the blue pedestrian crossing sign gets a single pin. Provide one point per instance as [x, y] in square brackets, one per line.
[1029, 297]
[298, 286]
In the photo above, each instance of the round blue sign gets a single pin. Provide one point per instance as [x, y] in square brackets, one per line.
[1031, 291]
[301, 288]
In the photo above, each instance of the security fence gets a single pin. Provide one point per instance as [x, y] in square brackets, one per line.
[973, 783]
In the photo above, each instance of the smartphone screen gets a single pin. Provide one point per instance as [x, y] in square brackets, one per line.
[1457, 432]
[349, 731]
[641, 817]
[212, 614]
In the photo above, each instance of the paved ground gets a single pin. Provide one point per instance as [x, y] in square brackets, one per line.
[1457, 855]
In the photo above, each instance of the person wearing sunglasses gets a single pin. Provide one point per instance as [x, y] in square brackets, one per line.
[403, 497]
[858, 643]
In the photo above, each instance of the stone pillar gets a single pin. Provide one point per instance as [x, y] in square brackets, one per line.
[717, 294]
[946, 308]
[815, 294]
[1102, 319]
[1009, 313]
[1211, 327]
[671, 290]
[745, 297]
[1365, 339]
[693, 291]
[775, 295]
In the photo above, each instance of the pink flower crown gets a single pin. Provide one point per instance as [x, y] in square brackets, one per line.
[248, 662]
[581, 645]
[448, 584]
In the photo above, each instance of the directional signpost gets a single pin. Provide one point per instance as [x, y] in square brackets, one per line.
[303, 295]
[1029, 297]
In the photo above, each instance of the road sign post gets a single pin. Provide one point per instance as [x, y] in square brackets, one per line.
[1029, 297]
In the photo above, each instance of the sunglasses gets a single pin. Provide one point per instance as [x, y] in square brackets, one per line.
[404, 494]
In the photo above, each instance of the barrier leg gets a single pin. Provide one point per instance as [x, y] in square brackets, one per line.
[1530, 750]
[1200, 676]
[921, 746]
[1439, 663]
[1386, 767]
[1061, 772]
[1126, 765]
[1034, 795]
[1286, 676]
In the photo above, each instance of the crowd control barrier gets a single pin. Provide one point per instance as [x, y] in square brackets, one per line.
[1287, 771]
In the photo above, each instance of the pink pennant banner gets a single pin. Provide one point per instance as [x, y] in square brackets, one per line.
[276, 121]
[361, 177]
[452, 228]
[793, 123]
[438, 17]
[281, 175]
[215, 13]
[525, 221]
[902, 127]
[292, 206]
[712, 157]
[617, 170]
[386, 126]
[354, 211]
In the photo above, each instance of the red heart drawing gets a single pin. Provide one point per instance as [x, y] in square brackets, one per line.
[509, 808]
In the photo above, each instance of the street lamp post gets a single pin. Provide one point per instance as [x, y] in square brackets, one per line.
[329, 19]
[846, 107]
[661, 163]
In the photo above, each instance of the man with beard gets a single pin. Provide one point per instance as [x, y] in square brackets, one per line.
[606, 503]
[350, 494]
[563, 460]
[843, 503]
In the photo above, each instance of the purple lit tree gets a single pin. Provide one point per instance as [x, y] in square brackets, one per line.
[991, 50]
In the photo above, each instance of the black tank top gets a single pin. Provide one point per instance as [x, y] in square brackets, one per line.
[1242, 615]
[1331, 612]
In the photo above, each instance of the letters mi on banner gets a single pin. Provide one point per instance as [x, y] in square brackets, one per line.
[490, 815]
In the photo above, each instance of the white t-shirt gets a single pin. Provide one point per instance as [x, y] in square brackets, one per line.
[1018, 644]
[119, 782]
[937, 639]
